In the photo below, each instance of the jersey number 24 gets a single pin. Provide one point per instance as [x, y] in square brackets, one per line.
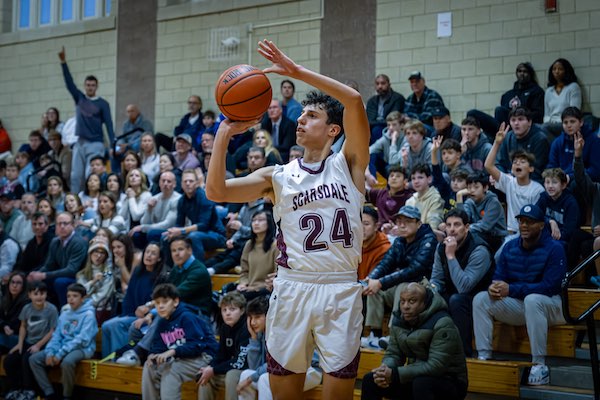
[340, 230]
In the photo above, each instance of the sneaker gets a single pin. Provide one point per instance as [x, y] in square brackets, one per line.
[539, 375]
[370, 342]
[27, 395]
[130, 358]
[13, 395]
[384, 342]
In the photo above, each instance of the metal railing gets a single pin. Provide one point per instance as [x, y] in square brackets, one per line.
[587, 316]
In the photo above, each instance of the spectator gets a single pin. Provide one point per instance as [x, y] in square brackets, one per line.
[443, 125]
[474, 146]
[90, 194]
[525, 291]
[149, 156]
[448, 188]
[45, 207]
[98, 279]
[375, 243]
[205, 230]
[409, 259]
[426, 198]
[416, 148]
[38, 322]
[525, 136]
[389, 200]
[386, 150]
[60, 154]
[36, 250]
[182, 343]
[125, 257]
[108, 217]
[484, 210]
[73, 341]
[425, 357]
[55, 193]
[13, 301]
[296, 152]
[131, 161]
[291, 107]
[91, 112]
[563, 91]
[10, 252]
[382, 104]
[258, 256]
[14, 185]
[36, 147]
[421, 103]
[149, 273]
[167, 163]
[114, 185]
[66, 256]
[26, 176]
[262, 138]
[190, 124]
[282, 129]
[518, 186]
[98, 167]
[450, 151]
[526, 93]
[21, 229]
[161, 212]
[136, 190]
[51, 122]
[133, 127]
[184, 157]
[559, 206]
[225, 369]
[462, 268]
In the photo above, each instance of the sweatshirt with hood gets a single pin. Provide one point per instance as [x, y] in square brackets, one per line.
[487, 216]
[233, 347]
[431, 206]
[75, 330]
[564, 210]
[475, 156]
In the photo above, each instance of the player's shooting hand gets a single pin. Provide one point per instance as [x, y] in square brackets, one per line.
[231, 128]
[62, 56]
[282, 64]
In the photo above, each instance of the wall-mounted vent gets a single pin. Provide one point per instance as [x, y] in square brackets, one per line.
[224, 44]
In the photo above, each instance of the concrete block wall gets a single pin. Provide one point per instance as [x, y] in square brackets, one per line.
[477, 64]
[183, 67]
[31, 78]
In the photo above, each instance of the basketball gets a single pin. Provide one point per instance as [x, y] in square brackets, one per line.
[243, 93]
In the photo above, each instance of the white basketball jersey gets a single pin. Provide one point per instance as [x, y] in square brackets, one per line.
[318, 215]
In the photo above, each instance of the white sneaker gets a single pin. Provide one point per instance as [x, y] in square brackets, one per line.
[130, 358]
[27, 395]
[370, 342]
[13, 395]
[539, 375]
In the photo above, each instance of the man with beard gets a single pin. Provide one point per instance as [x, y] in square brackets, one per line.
[380, 105]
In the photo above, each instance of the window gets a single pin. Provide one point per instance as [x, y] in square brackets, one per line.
[31, 14]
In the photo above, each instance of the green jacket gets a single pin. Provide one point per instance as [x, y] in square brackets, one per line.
[194, 285]
[430, 348]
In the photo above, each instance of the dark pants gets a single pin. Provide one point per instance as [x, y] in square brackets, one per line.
[421, 388]
[580, 246]
[57, 289]
[18, 373]
[376, 131]
[225, 261]
[460, 307]
[378, 164]
[164, 141]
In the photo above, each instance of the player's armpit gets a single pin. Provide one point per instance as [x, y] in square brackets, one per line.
[248, 188]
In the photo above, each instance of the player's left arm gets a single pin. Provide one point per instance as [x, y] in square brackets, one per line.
[356, 124]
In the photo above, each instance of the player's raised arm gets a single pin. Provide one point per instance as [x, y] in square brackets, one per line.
[356, 125]
[236, 190]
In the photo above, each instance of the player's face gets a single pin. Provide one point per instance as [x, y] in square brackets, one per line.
[520, 125]
[456, 228]
[165, 306]
[369, 227]
[412, 304]
[476, 191]
[231, 314]
[571, 125]
[74, 299]
[313, 130]
[554, 187]
[257, 322]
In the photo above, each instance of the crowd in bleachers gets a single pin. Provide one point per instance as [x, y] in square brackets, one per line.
[113, 225]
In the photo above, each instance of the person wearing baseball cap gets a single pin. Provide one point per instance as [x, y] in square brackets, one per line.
[443, 125]
[184, 157]
[409, 259]
[423, 100]
[525, 290]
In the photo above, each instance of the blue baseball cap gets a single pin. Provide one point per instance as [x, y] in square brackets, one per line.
[409, 212]
[531, 211]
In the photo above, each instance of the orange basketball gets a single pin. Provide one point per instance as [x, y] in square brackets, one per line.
[243, 93]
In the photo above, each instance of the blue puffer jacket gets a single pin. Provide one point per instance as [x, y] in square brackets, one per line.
[407, 262]
[538, 270]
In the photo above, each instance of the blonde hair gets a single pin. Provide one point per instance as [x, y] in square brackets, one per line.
[143, 187]
[415, 125]
[269, 148]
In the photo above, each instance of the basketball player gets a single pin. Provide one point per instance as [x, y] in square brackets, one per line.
[316, 300]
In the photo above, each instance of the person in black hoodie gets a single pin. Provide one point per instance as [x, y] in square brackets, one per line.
[182, 343]
[225, 369]
[14, 299]
[525, 93]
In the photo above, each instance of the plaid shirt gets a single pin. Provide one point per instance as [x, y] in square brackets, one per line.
[421, 109]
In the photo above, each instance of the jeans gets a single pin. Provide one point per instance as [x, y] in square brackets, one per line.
[115, 333]
[37, 362]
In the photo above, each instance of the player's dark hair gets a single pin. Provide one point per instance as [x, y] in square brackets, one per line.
[91, 78]
[571, 112]
[451, 144]
[522, 154]
[334, 109]
[290, 82]
[398, 168]
[37, 285]
[269, 235]
[479, 177]
[471, 121]
[520, 112]
[371, 212]
[258, 306]
[458, 213]
[166, 291]
[235, 299]
[459, 173]
[421, 168]
[77, 288]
